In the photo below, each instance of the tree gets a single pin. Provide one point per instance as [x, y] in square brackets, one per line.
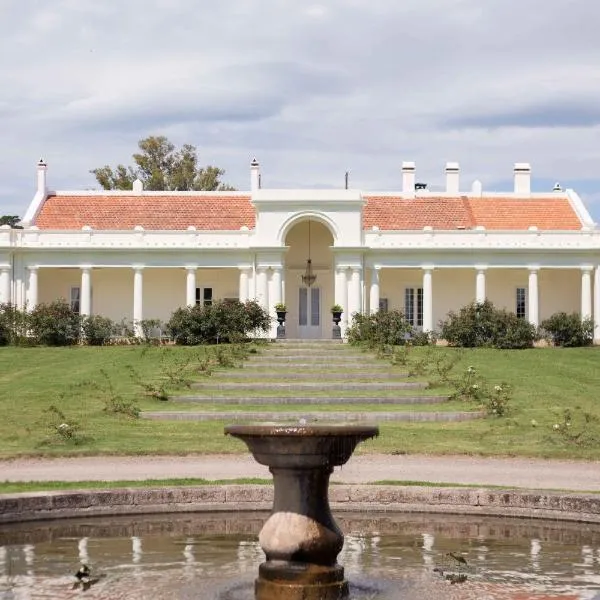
[11, 220]
[161, 167]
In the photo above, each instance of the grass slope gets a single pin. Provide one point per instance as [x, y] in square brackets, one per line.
[545, 381]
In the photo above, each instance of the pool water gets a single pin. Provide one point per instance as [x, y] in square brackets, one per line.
[387, 556]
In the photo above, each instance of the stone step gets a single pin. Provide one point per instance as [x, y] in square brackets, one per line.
[312, 416]
[316, 400]
[336, 359]
[311, 385]
[345, 375]
[309, 351]
[315, 367]
[299, 342]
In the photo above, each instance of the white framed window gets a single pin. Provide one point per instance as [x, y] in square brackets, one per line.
[75, 299]
[521, 303]
[413, 306]
[204, 296]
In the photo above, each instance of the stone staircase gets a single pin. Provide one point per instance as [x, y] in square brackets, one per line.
[313, 381]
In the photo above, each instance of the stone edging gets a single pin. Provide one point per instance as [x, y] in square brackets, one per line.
[35, 506]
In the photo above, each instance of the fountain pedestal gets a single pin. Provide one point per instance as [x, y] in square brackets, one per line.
[300, 539]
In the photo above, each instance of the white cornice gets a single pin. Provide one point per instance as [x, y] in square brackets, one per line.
[130, 193]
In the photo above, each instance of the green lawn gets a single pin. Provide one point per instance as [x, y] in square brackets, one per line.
[545, 382]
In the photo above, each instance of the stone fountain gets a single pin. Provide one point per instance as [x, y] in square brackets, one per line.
[301, 539]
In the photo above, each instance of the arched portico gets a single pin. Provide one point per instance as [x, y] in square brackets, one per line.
[308, 303]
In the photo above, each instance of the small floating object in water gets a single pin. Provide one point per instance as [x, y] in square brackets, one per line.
[84, 581]
[459, 559]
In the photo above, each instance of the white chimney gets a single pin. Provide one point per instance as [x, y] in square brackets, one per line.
[138, 186]
[42, 187]
[408, 179]
[254, 175]
[522, 178]
[452, 178]
[477, 188]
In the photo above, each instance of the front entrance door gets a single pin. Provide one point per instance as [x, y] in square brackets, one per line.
[309, 312]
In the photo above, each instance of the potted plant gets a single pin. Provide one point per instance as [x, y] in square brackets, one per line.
[281, 310]
[336, 313]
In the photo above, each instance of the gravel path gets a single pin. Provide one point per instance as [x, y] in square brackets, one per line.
[510, 472]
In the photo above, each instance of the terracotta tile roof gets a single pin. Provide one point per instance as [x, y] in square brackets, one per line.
[515, 213]
[397, 213]
[220, 212]
[224, 212]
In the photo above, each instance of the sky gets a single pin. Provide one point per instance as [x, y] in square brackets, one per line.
[312, 90]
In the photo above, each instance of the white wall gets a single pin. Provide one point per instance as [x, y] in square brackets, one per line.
[559, 291]
[112, 289]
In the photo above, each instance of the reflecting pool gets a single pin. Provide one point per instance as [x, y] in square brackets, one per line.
[387, 556]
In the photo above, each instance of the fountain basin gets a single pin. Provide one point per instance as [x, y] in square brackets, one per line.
[300, 539]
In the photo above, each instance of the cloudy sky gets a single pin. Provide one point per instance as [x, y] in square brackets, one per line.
[311, 89]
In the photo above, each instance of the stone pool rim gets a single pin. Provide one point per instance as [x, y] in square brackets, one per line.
[482, 501]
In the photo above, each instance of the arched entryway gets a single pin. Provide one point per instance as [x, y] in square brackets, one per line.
[308, 305]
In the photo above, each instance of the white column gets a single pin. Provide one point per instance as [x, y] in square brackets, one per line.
[480, 285]
[533, 298]
[276, 277]
[138, 300]
[597, 305]
[341, 295]
[427, 298]
[32, 290]
[190, 286]
[275, 298]
[586, 292]
[5, 285]
[244, 284]
[85, 307]
[354, 295]
[374, 292]
[262, 287]
[283, 284]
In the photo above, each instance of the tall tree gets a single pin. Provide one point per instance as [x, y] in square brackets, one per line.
[12, 220]
[161, 167]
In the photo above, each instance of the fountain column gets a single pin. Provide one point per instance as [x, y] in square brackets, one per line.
[300, 539]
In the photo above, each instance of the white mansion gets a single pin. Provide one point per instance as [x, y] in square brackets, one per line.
[140, 255]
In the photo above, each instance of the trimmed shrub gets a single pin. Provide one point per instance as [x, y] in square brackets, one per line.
[568, 330]
[55, 324]
[223, 321]
[481, 325]
[14, 324]
[383, 328]
[97, 330]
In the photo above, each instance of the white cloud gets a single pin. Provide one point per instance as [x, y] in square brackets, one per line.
[312, 90]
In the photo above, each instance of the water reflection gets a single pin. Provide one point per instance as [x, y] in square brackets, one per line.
[401, 556]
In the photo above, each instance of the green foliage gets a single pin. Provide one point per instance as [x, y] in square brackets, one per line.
[97, 330]
[337, 308]
[471, 386]
[10, 220]
[568, 330]
[389, 328]
[151, 388]
[14, 325]
[61, 428]
[482, 325]
[222, 321]
[576, 428]
[151, 330]
[161, 167]
[55, 324]
[114, 403]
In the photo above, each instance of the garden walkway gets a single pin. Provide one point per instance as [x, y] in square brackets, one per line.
[362, 468]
